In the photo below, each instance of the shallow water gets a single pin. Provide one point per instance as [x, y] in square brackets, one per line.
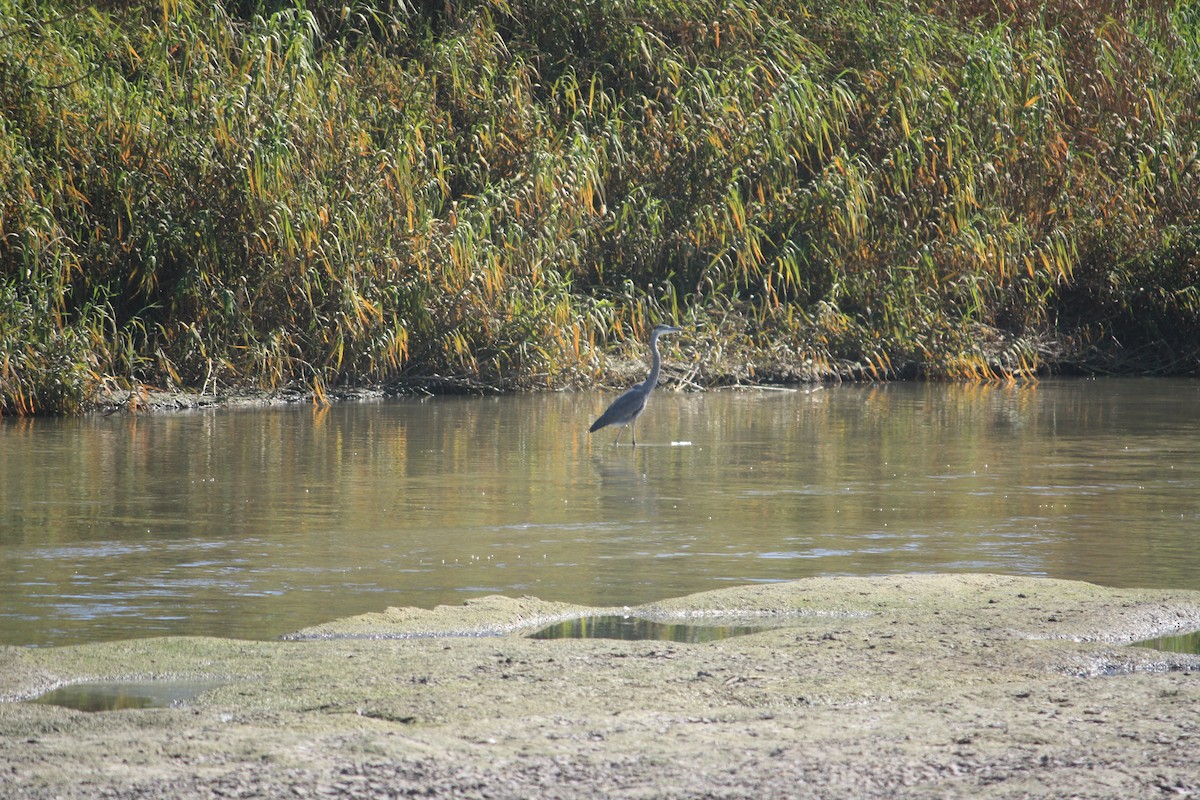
[1182, 643]
[253, 523]
[128, 696]
[634, 629]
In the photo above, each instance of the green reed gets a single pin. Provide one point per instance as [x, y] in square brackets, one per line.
[500, 192]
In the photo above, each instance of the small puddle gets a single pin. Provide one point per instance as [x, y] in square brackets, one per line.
[1183, 643]
[122, 696]
[616, 626]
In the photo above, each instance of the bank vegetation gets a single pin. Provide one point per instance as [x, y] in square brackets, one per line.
[506, 193]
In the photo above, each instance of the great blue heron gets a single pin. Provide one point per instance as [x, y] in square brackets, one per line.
[632, 402]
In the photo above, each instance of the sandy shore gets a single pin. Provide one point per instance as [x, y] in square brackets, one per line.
[898, 687]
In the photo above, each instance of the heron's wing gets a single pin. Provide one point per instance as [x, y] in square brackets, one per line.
[623, 409]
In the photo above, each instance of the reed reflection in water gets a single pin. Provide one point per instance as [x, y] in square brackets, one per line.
[253, 523]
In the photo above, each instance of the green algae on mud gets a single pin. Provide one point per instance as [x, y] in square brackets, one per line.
[877, 687]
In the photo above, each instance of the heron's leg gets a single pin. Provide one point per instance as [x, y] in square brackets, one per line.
[633, 431]
[617, 440]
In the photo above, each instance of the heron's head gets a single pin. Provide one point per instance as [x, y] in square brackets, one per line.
[663, 330]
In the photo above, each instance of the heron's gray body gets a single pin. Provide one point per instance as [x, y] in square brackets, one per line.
[632, 402]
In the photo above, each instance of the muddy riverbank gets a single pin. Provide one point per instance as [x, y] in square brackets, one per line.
[913, 686]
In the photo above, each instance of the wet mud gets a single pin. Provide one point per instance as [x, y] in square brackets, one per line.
[896, 687]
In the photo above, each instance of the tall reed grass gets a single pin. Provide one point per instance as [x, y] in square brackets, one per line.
[213, 197]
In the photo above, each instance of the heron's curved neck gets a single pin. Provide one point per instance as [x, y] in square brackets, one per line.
[655, 364]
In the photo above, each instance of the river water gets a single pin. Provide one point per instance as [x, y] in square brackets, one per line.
[251, 523]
